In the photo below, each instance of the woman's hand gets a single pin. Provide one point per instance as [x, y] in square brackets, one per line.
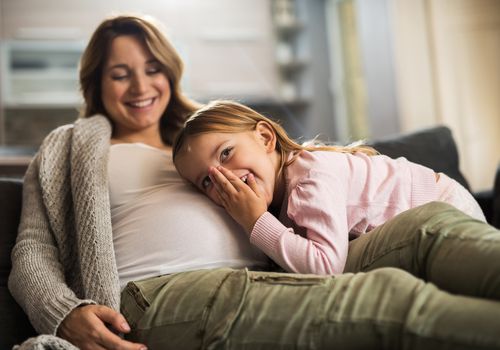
[243, 201]
[86, 327]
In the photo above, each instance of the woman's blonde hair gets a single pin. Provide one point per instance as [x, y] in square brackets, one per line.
[223, 116]
[97, 51]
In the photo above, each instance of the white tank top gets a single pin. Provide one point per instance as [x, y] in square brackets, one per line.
[162, 224]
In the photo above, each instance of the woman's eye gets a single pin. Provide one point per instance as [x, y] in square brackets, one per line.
[119, 77]
[153, 70]
[225, 153]
[206, 182]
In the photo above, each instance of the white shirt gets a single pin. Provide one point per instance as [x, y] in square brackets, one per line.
[162, 224]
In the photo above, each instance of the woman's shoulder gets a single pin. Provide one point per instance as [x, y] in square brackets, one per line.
[89, 124]
[81, 129]
[57, 135]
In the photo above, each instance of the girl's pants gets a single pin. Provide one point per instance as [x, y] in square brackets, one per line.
[454, 304]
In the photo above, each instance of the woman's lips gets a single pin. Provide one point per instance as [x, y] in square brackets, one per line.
[142, 103]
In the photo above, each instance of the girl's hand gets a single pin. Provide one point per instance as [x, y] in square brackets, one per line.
[86, 327]
[243, 201]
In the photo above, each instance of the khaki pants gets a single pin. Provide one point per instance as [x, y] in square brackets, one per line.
[383, 308]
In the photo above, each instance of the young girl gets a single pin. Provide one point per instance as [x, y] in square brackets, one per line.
[301, 204]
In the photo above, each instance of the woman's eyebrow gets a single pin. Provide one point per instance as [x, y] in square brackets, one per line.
[125, 66]
[119, 65]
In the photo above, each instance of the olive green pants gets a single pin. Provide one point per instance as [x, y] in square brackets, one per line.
[383, 308]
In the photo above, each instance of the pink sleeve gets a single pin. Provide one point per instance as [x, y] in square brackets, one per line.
[318, 205]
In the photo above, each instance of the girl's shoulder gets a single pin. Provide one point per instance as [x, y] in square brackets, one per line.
[320, 159]
[307, 164]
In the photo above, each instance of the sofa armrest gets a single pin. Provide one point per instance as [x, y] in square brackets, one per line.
[485, 201]
[435, 148]
[495, 216]
[432, 147]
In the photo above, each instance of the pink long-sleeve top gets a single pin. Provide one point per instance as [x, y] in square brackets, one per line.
[331, 196]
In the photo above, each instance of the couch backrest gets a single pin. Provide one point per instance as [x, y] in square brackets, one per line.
[434, 147]
[14, 325]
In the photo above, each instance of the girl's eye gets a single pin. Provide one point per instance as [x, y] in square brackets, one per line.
[225, 153]
[205, 182]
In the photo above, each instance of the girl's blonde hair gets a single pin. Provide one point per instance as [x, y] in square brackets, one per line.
[97, 51]
[224, 116]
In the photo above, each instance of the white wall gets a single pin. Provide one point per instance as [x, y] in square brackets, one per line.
[447, 54]
[227, 44]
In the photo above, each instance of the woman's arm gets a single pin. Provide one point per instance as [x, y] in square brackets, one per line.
[37, 280]
[38, 284]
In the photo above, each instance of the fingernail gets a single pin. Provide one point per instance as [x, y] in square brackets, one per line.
[143, 348]
[125, 327]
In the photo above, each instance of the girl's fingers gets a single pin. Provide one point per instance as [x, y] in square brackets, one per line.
[232, 178]
[252, 183]
[221, 199]
[222, 184]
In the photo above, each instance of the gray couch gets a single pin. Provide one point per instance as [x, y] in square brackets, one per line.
[434, 148]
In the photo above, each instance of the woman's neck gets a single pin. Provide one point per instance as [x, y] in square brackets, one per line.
[155, 142]
[150, 137]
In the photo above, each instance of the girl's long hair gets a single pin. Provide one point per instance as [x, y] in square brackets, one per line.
[223, 116]
[144, 29]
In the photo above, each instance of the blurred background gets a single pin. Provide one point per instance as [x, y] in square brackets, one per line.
[342, 70]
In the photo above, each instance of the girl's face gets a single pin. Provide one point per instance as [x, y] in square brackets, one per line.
[244, 153]
[135, 90]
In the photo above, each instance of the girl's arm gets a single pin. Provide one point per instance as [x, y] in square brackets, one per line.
[317, 205]
[319, 240]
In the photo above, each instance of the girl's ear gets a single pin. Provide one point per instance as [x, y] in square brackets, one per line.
[265, 132]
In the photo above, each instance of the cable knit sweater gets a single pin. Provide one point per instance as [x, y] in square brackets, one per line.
[64, 254]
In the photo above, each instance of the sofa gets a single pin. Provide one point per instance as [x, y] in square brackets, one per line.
[434, 147]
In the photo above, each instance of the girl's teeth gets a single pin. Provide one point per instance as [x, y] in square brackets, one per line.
[141, 104]
[244, 178]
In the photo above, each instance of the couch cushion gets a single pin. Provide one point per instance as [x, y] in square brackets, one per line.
[14, 325]
[10, 211]
[434, 147]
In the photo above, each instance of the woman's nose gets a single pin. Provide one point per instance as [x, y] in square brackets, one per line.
[138, 84]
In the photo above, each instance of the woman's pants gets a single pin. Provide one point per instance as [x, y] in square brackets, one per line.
[383, 308]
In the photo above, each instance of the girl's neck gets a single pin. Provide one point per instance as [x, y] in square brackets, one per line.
[279, 187]
[278, 195]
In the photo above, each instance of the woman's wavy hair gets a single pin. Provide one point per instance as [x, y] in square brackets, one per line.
[97, 51]
[224, 116]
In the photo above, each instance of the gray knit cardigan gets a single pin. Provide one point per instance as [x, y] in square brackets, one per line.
[64, 253]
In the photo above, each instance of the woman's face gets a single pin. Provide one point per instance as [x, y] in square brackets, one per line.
[135, 89]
